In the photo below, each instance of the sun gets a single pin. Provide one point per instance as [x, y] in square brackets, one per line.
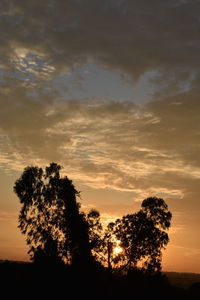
[117, 250]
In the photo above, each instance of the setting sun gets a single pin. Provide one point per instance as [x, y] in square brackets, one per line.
[117, 250]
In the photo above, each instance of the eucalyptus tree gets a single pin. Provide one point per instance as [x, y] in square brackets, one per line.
[50, 215]
[143, 235]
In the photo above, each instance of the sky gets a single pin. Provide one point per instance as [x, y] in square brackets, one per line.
[110, 90]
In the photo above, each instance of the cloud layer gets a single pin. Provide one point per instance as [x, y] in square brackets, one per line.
[122, 145]
[152, 148]
[40, 39]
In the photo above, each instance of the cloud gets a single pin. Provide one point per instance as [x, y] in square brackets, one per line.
[120, 146]
[41, 39]
[107, 144]
[188, 251]
[8, 216]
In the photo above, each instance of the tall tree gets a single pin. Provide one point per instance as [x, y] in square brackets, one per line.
[143, 235]
[50, 215]
[95, 232]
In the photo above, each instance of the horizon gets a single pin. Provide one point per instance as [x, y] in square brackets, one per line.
[110, 91]
[28, 261]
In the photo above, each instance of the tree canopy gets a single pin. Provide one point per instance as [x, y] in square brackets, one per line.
[50, 215]
[57, 231]
[143, 235]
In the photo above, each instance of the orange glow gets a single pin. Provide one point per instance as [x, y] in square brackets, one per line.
[117, 250]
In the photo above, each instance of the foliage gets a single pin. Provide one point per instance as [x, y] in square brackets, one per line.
[56, 230]
[143, 235]
[19, 280]
[95, 233]
[50, 215]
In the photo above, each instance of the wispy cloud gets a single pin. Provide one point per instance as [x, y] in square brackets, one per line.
[8, 216]
[107, 144]
[188, 252]
[146, 149]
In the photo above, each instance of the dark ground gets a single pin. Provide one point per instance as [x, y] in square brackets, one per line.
[25, 280]
[183, 280]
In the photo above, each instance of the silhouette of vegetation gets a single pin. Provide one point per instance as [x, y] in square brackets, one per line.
[50, 216]
[72, 252]
[57, 231]
[26, 280]
[95, 234]
[142, 235]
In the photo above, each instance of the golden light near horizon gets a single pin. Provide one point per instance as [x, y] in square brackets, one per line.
[117, 249]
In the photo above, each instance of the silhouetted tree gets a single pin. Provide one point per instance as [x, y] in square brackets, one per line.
[95, 232]
[143, 235]
[101, 239]
[50, 216]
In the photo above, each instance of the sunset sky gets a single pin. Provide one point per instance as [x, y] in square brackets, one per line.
[109, 89]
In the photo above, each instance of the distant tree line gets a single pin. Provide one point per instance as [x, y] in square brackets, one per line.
[58, 232]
